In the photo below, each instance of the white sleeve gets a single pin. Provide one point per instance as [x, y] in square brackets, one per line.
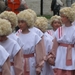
[16, 49]
[37, 38]
[3, 55]
[20, 42]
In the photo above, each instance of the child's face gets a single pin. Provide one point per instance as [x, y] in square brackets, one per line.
[56, 24]
[22, 25]
[64, 19]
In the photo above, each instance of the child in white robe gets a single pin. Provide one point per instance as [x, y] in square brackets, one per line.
[33, 29]
[4, 62]
[42, 24]
[55, 22]
[64, 42]
[11, 16]
[33, 48]
[11, 47]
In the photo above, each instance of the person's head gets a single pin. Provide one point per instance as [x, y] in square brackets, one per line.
[55, 22]
[25, 20]
[5, 29]
[11, 17]
[67, 15]
[41, 23]
[33, 13]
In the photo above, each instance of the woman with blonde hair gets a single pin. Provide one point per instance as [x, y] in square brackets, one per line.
[63, 47]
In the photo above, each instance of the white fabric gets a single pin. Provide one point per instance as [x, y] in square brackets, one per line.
[68, 37]
[16, 38]
[37, 31]
[47, 69]
[51, 32]
[12, 48]
[73, 23]
[3, 56]
[30, 40]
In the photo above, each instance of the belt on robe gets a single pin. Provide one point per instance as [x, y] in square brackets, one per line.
[69, 53]
[28, 55]
[12, 63]
[26, 65]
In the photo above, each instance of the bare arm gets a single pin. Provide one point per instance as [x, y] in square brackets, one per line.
[18, 63]
[6, 68]
[51, 57]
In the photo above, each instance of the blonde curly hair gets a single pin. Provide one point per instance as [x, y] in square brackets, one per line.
[10, 16]
[67, 11]
[33, 13]
[27, 17]
[73, 9]
[55, 18]
[5, 27]
[73, 5]
[41, 23]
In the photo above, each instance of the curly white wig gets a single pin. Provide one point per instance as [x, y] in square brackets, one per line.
[27, 17]
[73, 4]
[41, 23]
[10, 16]
[5, 27]
[33, 13]
[55, 18]
[67, 11]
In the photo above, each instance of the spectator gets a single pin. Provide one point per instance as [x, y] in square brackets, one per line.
[55, 6]
[18, 4]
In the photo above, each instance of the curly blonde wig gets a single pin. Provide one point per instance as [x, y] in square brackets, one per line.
[5, 27]
[73, 5]
[10, 16]
[67, 11]
[33, 13]
[55, 18]
[41, 23]
[27, 17]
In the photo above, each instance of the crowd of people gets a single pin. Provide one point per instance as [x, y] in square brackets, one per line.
[33, 49]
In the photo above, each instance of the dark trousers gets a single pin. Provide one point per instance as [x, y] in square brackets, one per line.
[55, 12]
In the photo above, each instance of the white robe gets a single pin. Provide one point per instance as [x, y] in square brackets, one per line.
[51, 32]
[16, 38]
[30, 40]
[47, 69]
[12, 48]
[67, 37]
[3, 56]
[37, 31]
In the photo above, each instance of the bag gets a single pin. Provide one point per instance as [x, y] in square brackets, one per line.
[21, 7]
[57, 7]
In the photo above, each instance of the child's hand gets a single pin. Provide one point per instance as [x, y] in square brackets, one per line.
[51, 59]
[38, 71]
